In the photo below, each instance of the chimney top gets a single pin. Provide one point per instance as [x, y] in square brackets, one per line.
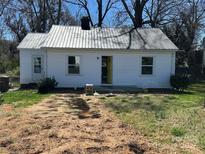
[85, 23]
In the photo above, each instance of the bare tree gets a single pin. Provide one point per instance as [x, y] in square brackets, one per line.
[103, 7]
[24, 16]
[3, 5]
[17, 26]
[184, 28]
[160, 12]
[54, 6]
[82, 4]
[192, 17]
[135, 9]
[193, 20]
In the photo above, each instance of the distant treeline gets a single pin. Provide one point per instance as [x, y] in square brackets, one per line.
[9, 56]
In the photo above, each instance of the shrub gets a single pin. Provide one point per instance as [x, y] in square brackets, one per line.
[14, 72]
[177, 131]
[46, 85]
[179, 82]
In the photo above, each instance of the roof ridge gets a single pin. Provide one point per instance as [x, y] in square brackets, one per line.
[78, 26]
[37, 33]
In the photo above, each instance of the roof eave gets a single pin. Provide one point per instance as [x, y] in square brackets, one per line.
[174, 49]
[20, 48]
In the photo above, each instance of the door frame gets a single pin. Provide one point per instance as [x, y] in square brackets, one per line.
[107, 84]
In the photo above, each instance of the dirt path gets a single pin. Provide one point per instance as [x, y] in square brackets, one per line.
[68, 124]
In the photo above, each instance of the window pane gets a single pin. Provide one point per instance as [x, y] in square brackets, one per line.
[37, 65]
[37, 69]
[73, 69]
[37, 61]
[147, 70]
[147, 60]
[74, 60]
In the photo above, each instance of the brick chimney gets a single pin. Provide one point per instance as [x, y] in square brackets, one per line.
[85, 23]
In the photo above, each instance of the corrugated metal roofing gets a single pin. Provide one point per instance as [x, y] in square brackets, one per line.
[105, 38]
[32, 41]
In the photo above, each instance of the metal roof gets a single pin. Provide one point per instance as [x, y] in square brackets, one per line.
[32, 41]
[101, 38]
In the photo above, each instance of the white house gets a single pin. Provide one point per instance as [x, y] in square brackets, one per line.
[143, 58]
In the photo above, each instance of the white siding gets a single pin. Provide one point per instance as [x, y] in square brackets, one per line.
[126, 68]
[26, 64]
[90, 69]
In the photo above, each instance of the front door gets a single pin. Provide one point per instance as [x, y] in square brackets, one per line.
[106, 70]
[37, 68]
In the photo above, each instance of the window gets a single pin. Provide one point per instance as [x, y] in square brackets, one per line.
[147, 66]
[73, 65]
[37, 64]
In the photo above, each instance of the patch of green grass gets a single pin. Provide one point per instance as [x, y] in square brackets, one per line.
[22, 98]
[15, 84]
[202, 141]
[178, 131]
[160, 116]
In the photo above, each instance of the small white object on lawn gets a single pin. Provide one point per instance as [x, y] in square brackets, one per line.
[96, 94]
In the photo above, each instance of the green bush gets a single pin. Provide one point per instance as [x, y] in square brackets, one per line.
[179, 82]
[46, 85]
[177, 131]
[14, 72]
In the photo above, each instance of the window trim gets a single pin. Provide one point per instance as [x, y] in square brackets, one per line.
[67, 65]
[153, 66]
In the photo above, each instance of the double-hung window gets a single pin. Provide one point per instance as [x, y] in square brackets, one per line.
[73, 64]
[147, 66]
[37, 65]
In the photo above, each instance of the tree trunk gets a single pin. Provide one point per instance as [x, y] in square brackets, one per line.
[138, 7]
[59, 12]
[138, 15]
[99, 13]
[44, 17]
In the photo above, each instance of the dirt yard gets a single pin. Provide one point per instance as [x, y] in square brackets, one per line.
[67, 124]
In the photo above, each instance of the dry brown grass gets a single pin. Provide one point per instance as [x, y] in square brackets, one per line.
[67, 123]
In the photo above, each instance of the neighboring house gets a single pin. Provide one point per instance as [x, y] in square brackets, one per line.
[142, 58]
